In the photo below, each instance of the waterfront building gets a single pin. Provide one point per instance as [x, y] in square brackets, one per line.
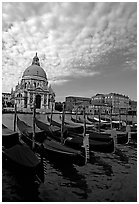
[103, 108]
[74, 103]
[99, 104]
[118, 102]
[33, 87]
[98, 98]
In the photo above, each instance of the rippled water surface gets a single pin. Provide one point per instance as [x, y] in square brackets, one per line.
[111, 177]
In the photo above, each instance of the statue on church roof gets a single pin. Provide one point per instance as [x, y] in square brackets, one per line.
[36, 60]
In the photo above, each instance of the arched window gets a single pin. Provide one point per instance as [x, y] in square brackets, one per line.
[35, 84]
[38, 101]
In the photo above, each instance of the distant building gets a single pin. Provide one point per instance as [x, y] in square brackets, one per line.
[6, 100]
[117, 101]
[99, 104]
[74, 103]
[98, 98]
[33, 87]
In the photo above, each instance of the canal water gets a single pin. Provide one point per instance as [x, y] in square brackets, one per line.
[110, 178]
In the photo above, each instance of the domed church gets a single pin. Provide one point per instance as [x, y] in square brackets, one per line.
[34, 88]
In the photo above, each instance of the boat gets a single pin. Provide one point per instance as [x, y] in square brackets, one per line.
[50, 130]
[79, 122]
[133, 131]
[40, 135]
[52, 149]
[9, 137]
[105, 124]
[75, 120]
[19, 158]
[91, 119]
[95, 120]
[87, 121]
[68, 127]
[103, 136]
[105, 118]
[75, 140]
[122, 137]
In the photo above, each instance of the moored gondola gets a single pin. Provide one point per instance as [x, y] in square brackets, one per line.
[69, 127]
[53, 149]
[94, 134]
[28, 130]
[19, 158]
[75, 140]
[9, 137]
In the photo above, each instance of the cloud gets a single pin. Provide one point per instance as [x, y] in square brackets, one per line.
[71, 38]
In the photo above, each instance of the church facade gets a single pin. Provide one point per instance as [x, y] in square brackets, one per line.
[34, 89]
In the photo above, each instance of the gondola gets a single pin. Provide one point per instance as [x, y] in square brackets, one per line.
[104, 124]
[75, 140]
[39, 134]
[70, 122]
[53, 149]
[75, 120]
[79, 122]
[9, 137]
[87, 121]
[122, 137]
[133, 131]
[50, 130]
[69, 127]
[94, 134]
[19, 158]
[91, 119]
[107, 119]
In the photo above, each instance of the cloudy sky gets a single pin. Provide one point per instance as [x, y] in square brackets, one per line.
[85, 48]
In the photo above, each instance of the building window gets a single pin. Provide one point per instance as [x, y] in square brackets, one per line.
[45, 99]
[31, 98]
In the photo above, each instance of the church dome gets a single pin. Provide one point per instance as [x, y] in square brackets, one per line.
[35, 69]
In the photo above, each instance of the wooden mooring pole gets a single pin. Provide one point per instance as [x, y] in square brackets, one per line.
[33, 136]
[99, 117]
[15, 116]
[51, 114]
[85, 138]
[111, 116]
[62, 123]
[84, 120]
